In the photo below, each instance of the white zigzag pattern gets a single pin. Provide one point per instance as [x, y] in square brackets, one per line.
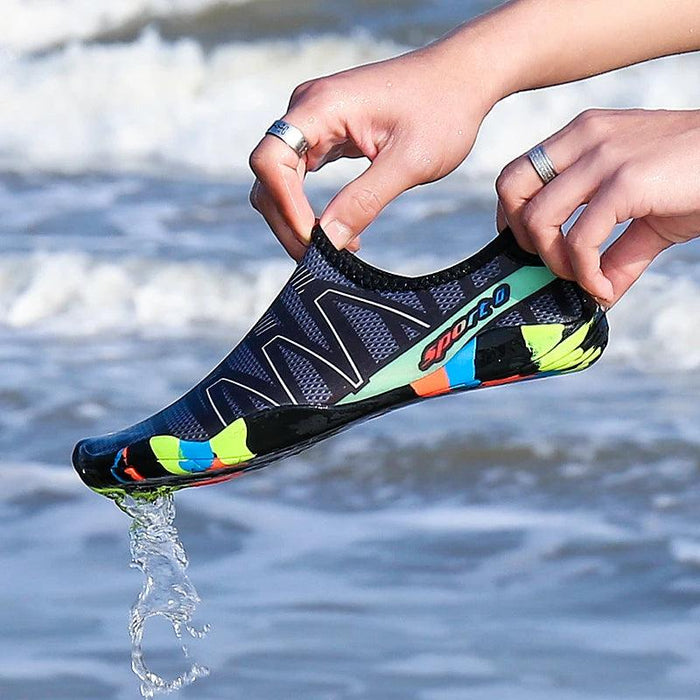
[354, 378]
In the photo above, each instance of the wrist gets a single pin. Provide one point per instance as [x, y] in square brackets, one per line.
[473, 55]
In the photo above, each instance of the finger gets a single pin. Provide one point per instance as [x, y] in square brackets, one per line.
[281, 172]
[583, 242]
[262, 201]
[359, 202]
[320, 157]
[514, 191]
[519, 182]
[545, 214]
[627, 258]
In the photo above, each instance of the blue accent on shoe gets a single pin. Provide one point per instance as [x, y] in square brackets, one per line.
[197, 456]
[461, 369]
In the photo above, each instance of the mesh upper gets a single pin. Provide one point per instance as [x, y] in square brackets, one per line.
[337, 322]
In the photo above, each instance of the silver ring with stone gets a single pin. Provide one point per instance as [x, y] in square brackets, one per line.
[542, 164]
[290, 135]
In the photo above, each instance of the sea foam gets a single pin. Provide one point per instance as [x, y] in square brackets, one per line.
[77, 294]
[32, 26]
[173, 107]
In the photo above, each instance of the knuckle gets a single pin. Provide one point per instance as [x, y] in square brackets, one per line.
[505, 183]
[318, 89]
[300, 89]
[523, 240]
[367, 200]
[626, 179]
[257, 162]
[557, 268]
[591, 114]
[592, 122]
[532, 218]
[608, 153]
[576, 240]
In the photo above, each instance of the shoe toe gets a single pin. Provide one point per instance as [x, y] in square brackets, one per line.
[94, 458]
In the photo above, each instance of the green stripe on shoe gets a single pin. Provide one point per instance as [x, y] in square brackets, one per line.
[523, 283]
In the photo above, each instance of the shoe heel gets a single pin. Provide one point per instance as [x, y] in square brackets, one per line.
[576, 352]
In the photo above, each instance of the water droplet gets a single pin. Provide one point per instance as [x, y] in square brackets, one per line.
[156, 550]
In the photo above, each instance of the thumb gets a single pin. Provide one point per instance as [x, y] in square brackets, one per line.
[360, 201]
[627, 258]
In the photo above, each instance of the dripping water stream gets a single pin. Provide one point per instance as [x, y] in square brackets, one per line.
[157, 552]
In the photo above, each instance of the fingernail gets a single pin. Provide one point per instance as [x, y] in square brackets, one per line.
[303, 238]
[338, 233]
[605, 292]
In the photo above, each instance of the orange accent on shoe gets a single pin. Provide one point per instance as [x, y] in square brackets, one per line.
[216, 464]
[134, 474]
[433, 384]
[216, 479]
[505, 380]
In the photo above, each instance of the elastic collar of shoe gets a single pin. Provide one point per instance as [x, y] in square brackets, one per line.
[365, 275]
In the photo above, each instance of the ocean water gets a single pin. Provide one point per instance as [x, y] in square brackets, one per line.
[535, 541]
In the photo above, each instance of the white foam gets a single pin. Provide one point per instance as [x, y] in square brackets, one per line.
[154, 105]
[24, 209]
[523, 120]
[666, 337]
[74, 294]
[150, 105]
[685, 551]
[26, 479]
[493, 519]
[78, 294]
[38, 24]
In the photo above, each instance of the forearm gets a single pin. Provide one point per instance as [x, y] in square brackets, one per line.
[527, 44]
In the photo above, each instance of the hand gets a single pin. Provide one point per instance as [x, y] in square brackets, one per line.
[414, 117]
[627, 164]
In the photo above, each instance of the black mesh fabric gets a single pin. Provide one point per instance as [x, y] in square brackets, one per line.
[448, 295]
[181, 422]
[313, 387]
[242, 361]
[546, 309]
[558, 303]
[408, 298]
[371, 330]
[290, 299]
[481, 277]
[512, 318]
[337, 322]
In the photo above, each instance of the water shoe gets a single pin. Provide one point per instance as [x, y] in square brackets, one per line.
[343, 342]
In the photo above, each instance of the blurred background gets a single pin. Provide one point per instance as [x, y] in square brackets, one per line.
[537, 541]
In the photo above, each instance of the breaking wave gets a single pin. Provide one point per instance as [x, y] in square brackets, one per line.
[173, 106]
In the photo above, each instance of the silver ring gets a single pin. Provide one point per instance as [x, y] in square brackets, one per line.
[290, 135]
[542, 164]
